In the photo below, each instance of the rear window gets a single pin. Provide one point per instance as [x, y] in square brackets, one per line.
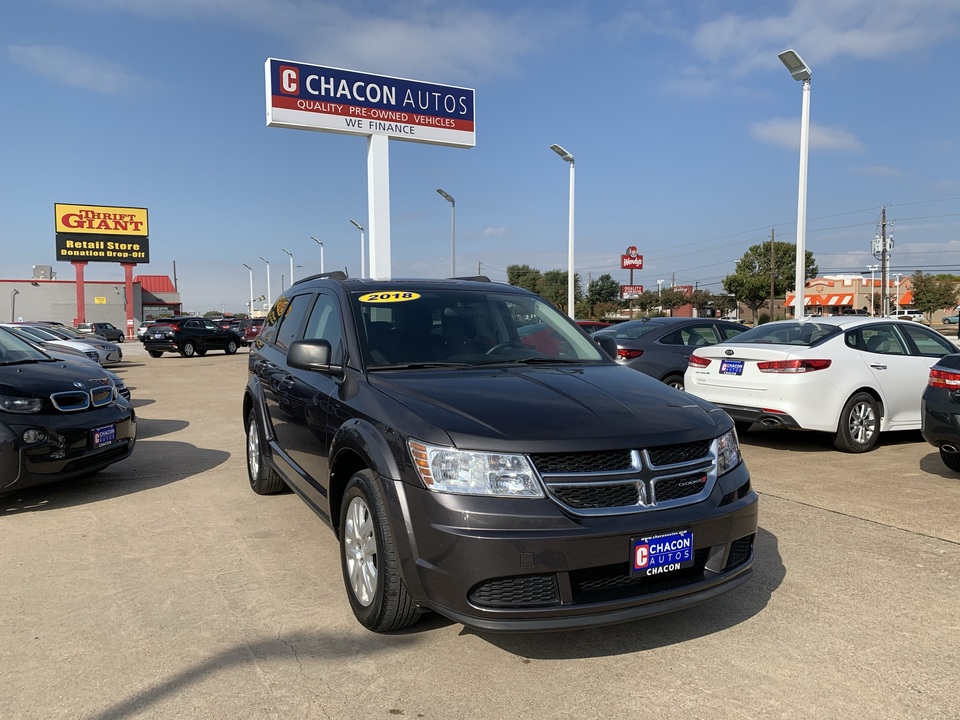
[788, 333]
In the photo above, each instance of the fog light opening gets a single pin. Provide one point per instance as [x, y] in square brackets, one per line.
[32, 436]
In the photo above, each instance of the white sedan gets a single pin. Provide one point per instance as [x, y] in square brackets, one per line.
[854, 377]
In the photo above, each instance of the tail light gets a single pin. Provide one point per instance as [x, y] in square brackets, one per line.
[697, 361]
[792, 366]
[628, 354]
[942, 378]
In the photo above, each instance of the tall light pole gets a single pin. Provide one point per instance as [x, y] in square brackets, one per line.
[872, 269]
[800, 71]
[250, 307]
[363, 251]
[291, 263]
[13, 304]
[898, 276]
[320, 243]
[269, 298]
[453, 231]
[567, 157]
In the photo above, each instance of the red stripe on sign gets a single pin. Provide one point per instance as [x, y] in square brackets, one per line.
[324, 107]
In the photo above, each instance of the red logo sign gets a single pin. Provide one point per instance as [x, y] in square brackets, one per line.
[289, 80]
[641, 557]
[631, 260]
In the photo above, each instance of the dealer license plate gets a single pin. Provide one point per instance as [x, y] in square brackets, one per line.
[158, 336]
[104, 435]
[731, 367]
[662, 553]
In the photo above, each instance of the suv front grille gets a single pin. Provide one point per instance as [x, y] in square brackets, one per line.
[620, 481]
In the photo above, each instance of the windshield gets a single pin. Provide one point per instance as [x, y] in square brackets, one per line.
[789, 332]
[35, 332]
[465, 327]
[632, 329]
[14, 350]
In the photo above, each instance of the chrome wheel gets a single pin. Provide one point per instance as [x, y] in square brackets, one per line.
[253, 448]
[862, 423]
[859, 425]
[360, 551]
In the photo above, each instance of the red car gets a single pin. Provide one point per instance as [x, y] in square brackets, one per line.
[251, 330]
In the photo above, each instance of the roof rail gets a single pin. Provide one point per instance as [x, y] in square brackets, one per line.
[474, 278]
[333, 275]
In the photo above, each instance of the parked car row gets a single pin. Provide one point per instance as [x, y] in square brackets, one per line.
[189, 336]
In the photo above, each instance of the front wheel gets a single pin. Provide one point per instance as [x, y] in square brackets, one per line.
[188, 349]
[368, 557]
[264, 480]
[859, 427]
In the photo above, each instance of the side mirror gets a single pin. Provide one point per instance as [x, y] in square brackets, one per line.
[608, 345]
[313, 355]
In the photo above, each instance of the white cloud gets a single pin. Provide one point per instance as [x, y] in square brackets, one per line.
[786, 134]
[496, 232]
[73, 68]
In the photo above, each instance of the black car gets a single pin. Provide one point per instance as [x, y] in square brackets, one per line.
[105, 330]
[661, 347]
[507, 482]
[940, 410]
[58, 419]
[189, 336]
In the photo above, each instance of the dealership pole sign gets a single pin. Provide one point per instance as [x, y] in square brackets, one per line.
[314, 97]
[101, 233]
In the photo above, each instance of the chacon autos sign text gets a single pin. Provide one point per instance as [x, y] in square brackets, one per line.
[312, 97]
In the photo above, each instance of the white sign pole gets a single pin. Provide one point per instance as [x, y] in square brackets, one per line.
[378, 205]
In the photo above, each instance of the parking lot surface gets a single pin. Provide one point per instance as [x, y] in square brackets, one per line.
[164, 588]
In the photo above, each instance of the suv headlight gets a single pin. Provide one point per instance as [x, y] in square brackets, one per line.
[21, 405]
[449, 470]
[728, 452]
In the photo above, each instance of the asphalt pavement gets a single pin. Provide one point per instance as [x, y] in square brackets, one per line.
[164, 588]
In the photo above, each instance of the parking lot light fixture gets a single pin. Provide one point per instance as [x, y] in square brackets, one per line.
[363, 251]
[291, 263]
[800, 71]
[269, 298]
[453, 230]
[320, 243]
[571, 299]
[250, 306]
[872, 269]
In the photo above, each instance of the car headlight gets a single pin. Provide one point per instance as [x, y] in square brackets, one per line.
[728, 452]
[21, 405]
[445, 469]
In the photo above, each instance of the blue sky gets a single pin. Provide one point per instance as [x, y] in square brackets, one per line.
[683, 121]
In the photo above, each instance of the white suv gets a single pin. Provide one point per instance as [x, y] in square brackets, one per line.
[908, 315]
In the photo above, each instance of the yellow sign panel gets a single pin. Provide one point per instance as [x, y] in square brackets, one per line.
[388, 297]
[101, 219]
[99, 301]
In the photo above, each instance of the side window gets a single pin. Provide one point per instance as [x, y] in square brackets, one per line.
[292, 320]
[733, 332]
[882, 340]
[927, 342]
[207, 325]
[326, 323]
[191, 324]
[673, 338]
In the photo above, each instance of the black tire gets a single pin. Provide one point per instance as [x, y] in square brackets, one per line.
[859, 426]
[674, 381]
[368, 558]
[201, 353]
[188, 349]
[231, 347]
[120, 339]
[264, 480]
[155, 353]
[951, 460]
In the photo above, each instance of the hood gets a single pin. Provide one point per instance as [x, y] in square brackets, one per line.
[42, 378]
[545, 409]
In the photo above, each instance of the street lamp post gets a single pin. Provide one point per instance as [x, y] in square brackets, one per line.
[320, 243]
[13, 304]
[897, 299]
[872, 269]
[659, 292]
[800, 71]
[453, 231]
[363, 251]
[567, 157]
[291, 263]
[269, 298]
[250, 306]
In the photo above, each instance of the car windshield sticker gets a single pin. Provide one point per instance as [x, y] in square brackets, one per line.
[389, 297]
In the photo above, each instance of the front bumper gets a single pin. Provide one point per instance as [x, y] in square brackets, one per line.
[505, 564]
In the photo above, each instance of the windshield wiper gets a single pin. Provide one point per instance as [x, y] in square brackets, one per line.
[420, 365]
[536, 361]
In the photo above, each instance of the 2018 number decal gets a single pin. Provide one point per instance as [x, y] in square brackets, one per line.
[388, 297]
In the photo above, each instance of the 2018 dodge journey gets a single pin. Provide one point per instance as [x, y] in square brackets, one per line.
[510, 481]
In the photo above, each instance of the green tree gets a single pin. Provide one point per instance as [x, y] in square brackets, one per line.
[750, 281]
[524, 276]
[553, 287]
[700, 299]
[603, 297]
[646, 301]
[930, 295]
[671, 298]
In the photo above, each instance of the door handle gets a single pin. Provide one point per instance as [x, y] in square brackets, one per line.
[878, 366]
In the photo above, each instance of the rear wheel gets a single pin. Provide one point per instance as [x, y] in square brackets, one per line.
[155, 353]
[674, 381]
[201, 353]
[859, 427]
[120, 339]
[368, 557]
[188, 349]
[264, 480]
[231, 347]
[951, 460]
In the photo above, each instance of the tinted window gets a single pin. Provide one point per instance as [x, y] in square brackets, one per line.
[788, 332]
[292, 320]
[326, 323]
[927, 342]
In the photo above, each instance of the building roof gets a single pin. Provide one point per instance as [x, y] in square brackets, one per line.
[155, 283]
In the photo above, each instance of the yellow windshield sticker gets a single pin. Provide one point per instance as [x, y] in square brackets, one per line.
[389, 297]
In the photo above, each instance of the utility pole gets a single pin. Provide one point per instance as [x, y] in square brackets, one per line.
[882, 245]
[773, 265]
